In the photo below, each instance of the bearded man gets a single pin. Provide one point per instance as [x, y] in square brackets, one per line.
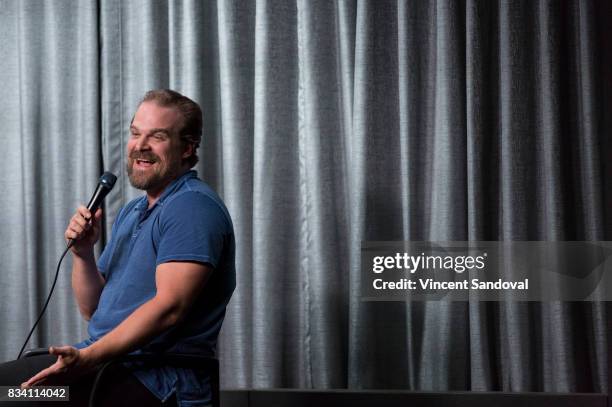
[164, 279]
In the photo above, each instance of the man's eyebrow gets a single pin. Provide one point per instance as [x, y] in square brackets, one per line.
[155, 130]
[160, 130]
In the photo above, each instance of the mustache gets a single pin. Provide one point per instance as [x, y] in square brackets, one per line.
[138, 155]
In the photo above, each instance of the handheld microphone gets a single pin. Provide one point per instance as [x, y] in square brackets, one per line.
[106, 183]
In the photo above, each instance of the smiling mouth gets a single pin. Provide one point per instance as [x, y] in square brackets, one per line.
[144, 163]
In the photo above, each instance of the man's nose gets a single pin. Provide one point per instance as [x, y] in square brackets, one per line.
[142, 143]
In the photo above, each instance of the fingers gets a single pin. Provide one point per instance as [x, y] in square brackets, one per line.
[81, 223]
[84, 212]
[67, 363]
[62, 350]
[97, 217]
[41, 376]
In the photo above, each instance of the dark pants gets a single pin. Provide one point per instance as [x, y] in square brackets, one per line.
[117, 388]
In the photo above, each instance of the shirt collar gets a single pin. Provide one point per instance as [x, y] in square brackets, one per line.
[173, 186]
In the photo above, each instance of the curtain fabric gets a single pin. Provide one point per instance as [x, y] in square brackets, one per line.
[50, 115]
[329, 123]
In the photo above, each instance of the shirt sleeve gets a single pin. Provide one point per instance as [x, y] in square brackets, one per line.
[193, 227]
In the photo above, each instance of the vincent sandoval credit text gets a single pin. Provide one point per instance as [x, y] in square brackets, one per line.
[431, 284]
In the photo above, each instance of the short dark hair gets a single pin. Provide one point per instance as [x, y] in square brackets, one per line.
[191, 131]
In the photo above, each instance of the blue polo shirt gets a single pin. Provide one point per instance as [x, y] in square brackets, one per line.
[189, 222]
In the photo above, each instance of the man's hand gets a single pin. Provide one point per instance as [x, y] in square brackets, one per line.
[83, 230]
[71, 363]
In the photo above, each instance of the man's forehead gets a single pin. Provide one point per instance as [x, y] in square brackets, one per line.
[150, 115]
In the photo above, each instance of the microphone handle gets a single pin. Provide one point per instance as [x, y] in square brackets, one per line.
[96, 199]
[93, 205]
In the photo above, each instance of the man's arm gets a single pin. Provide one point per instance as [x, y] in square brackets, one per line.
[87, 282]
[178, 285]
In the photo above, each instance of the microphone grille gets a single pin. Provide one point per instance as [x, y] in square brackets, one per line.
[108, 179]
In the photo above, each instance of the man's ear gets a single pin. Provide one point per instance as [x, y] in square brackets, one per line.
[188, 150]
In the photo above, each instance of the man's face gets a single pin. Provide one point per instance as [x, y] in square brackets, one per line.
[154, 149]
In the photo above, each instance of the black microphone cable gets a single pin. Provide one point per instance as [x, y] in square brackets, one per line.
[106, 183]
[48, 299]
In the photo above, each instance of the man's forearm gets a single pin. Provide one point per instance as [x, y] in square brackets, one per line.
[145, 323]
[87, 283]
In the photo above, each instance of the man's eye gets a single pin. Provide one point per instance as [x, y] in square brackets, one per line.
[159, 136]
[134, 134]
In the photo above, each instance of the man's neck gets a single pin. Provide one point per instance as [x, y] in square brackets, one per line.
[154, 194]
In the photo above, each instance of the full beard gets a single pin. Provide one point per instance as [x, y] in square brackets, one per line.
[156, 177]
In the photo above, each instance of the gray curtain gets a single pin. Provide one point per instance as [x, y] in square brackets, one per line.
[328, 123]
[50, 138]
